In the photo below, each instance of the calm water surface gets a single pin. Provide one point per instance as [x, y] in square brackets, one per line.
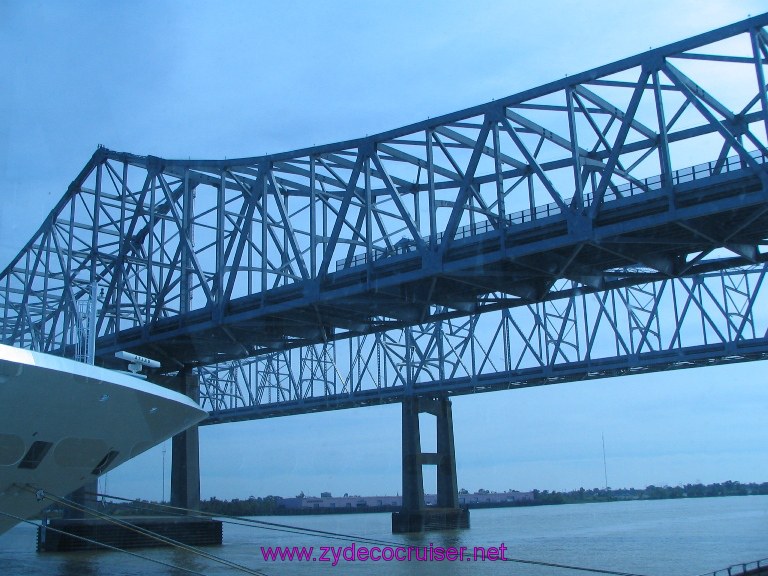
[670, 538]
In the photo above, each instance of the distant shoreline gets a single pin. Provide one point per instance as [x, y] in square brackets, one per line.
[476, 506]
[275, 505]
[271, 505]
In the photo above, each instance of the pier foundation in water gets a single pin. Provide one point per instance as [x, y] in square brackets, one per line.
[75, 534]
[415, 515]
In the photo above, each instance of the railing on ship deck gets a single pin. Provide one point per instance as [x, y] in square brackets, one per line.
[747, 569]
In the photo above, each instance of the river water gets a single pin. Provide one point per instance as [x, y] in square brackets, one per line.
[664, 537]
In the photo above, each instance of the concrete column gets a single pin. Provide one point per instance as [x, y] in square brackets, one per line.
[414, 516]
[86, 497]
[185, 454]
[447, 486]
[413, 477]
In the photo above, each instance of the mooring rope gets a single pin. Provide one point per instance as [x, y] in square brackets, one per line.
[101, 544]
[245, 521]
[239, 520]
[147, 533]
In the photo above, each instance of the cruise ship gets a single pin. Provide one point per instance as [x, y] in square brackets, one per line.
[64, 423]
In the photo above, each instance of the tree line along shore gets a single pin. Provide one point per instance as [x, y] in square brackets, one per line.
[275, 505]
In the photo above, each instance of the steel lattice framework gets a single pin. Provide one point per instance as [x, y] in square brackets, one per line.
[580, 195]
[709, 319]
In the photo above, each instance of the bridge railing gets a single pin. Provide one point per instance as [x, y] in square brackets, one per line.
[755, 567]
[627, 190]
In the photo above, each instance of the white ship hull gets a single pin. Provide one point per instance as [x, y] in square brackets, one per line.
[63, 423]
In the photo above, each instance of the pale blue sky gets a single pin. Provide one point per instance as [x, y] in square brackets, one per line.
[232, 79]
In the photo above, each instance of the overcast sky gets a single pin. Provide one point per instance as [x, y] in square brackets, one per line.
[235, 79]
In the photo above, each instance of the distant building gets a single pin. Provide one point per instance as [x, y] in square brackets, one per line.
[512, 497]
[312, 502]
[326, 501]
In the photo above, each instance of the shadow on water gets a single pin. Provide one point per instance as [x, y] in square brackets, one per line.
[77, 565]
[187, 561]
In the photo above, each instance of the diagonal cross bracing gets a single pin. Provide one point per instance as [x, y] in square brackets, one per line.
[635, 329]
[641, 172]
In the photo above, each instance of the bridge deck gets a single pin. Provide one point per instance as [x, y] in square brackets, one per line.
[636, 239]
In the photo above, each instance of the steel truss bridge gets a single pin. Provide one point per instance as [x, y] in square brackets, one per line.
[603, 224]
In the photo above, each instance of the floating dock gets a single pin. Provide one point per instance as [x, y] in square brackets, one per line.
[65, 535]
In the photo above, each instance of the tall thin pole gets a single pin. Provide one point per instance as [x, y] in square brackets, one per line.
[605, 464]
[91, 352]
[163, 500]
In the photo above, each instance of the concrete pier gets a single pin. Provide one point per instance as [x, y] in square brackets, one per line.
[185, 452]
[185, 493]
[85, 497]
[415, 516]
[69, 535]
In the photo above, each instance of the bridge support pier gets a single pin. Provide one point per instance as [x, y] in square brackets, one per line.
[414, 515]
[185, 453]
[185, 447]
[84, 497]
[185, 493]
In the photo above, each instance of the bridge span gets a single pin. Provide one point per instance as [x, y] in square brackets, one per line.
[605, 223]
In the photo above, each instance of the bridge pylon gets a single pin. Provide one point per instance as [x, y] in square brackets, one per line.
[185, 451]
[415, 516]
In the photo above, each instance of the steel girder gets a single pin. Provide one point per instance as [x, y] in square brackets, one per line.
[709, 319]
[585, 180]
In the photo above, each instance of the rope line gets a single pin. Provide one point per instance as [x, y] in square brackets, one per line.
[102, 544]
[569, 567]
[275, 526]
[239, 520]
[151, 534]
